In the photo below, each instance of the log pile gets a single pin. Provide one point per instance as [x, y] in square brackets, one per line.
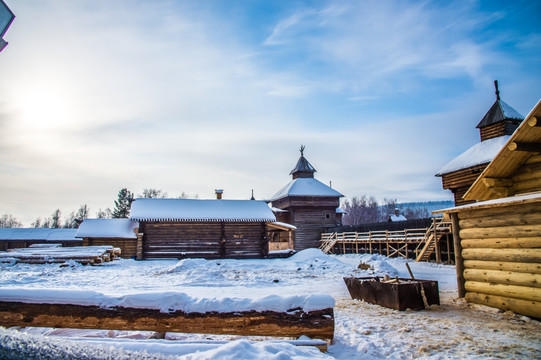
[48, 255]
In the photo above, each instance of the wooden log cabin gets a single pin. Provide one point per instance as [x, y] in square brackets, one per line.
[495, 127]
[13, 238]
[120, 233]
[308, 204]
[211, 229]
[498, 238]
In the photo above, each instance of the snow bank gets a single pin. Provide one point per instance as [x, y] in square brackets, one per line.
[168, 301]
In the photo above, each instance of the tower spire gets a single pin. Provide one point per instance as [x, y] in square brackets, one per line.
[497, 91]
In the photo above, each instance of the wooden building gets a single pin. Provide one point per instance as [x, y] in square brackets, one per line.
[120, 233]
[498, 238]
[179, 228]
[13, 238]
[308, 204]
[495, 127]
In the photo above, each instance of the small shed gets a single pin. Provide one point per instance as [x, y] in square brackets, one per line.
[120, 233]
[179, 228]
[498, 238]
[500, 121]
[12, 238]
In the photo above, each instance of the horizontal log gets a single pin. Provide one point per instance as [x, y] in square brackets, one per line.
[501, 209]
[503, 243]
[533, 147]
[527, 185]
[531, 268]
[316, 324]
[503, 277]
[507, 255]
[534, 121]
[512, 291]
[501, 231]
[508, 219]
[519, 306]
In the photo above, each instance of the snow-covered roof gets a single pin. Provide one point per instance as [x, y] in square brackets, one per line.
[340, 211]
[305, 187]
[394, 217]
[511, 200]
[108, 228]
[43, 234]
[303, 166]
[481, 153]
[499, 111]
[200, 210]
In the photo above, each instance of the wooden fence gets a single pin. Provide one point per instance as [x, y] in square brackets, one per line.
[419, 243]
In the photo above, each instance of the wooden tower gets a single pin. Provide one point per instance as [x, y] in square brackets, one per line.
[308, 204]
[495, 127]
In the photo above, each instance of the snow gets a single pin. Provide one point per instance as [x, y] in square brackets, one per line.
[43, 234]
[394, 217]
[305, 187]
[453, 330]
[509, 112]
[511, 200]
[481, 153]
[108, 228]
[200, 210]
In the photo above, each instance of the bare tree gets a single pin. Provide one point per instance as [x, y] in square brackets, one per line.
[9, 221]
[104, 214]
[153, 194]
[183, 195]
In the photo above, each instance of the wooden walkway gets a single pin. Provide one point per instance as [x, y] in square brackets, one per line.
[418, 243]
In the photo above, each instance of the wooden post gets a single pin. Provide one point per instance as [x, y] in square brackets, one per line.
[448, 249]
[139, 247]
[436, 242]
[459, 261]
[356, 243]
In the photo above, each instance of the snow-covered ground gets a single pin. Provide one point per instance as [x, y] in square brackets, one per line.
[455, 329]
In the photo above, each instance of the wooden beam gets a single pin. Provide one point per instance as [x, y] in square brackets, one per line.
[534, 121]
[459, 261]
[524, 146]
[315, 324]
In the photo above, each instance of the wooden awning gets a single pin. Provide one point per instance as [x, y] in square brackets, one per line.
[281, 226]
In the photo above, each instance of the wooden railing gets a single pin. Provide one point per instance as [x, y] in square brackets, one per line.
[421, 237]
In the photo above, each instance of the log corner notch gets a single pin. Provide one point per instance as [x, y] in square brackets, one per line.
[317, 324]
[500, 187]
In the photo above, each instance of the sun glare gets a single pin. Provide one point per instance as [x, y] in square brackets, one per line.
[44, 108]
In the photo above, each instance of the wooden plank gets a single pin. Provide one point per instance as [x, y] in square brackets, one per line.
[316, 324]
[508, 219]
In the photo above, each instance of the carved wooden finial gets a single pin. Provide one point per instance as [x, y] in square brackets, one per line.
[497, 91]
[302, 150]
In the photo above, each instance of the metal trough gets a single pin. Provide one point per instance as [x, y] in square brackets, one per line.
[399, 295]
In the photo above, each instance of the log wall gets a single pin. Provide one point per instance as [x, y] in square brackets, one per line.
[528, 177]
[210, 240]
[501, 251]
[500, 128]
[310, 223]
[128, 247]
[460, 181]
[17, 244]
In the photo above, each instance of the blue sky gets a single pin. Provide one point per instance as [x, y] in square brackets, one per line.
[190, 96]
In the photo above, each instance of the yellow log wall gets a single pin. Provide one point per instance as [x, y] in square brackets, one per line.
[501, 248]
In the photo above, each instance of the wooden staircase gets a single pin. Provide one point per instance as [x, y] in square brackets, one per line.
[433, 235]
[327, 242]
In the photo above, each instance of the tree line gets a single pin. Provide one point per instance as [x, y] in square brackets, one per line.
[121, 209]
[365, 209]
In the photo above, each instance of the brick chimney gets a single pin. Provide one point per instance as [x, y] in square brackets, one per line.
[219, 193]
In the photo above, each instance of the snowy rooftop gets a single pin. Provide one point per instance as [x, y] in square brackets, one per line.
[481, 153]
[200, 210]
[43, 234]
[108, 228]
[305, 187]
[499, 111]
